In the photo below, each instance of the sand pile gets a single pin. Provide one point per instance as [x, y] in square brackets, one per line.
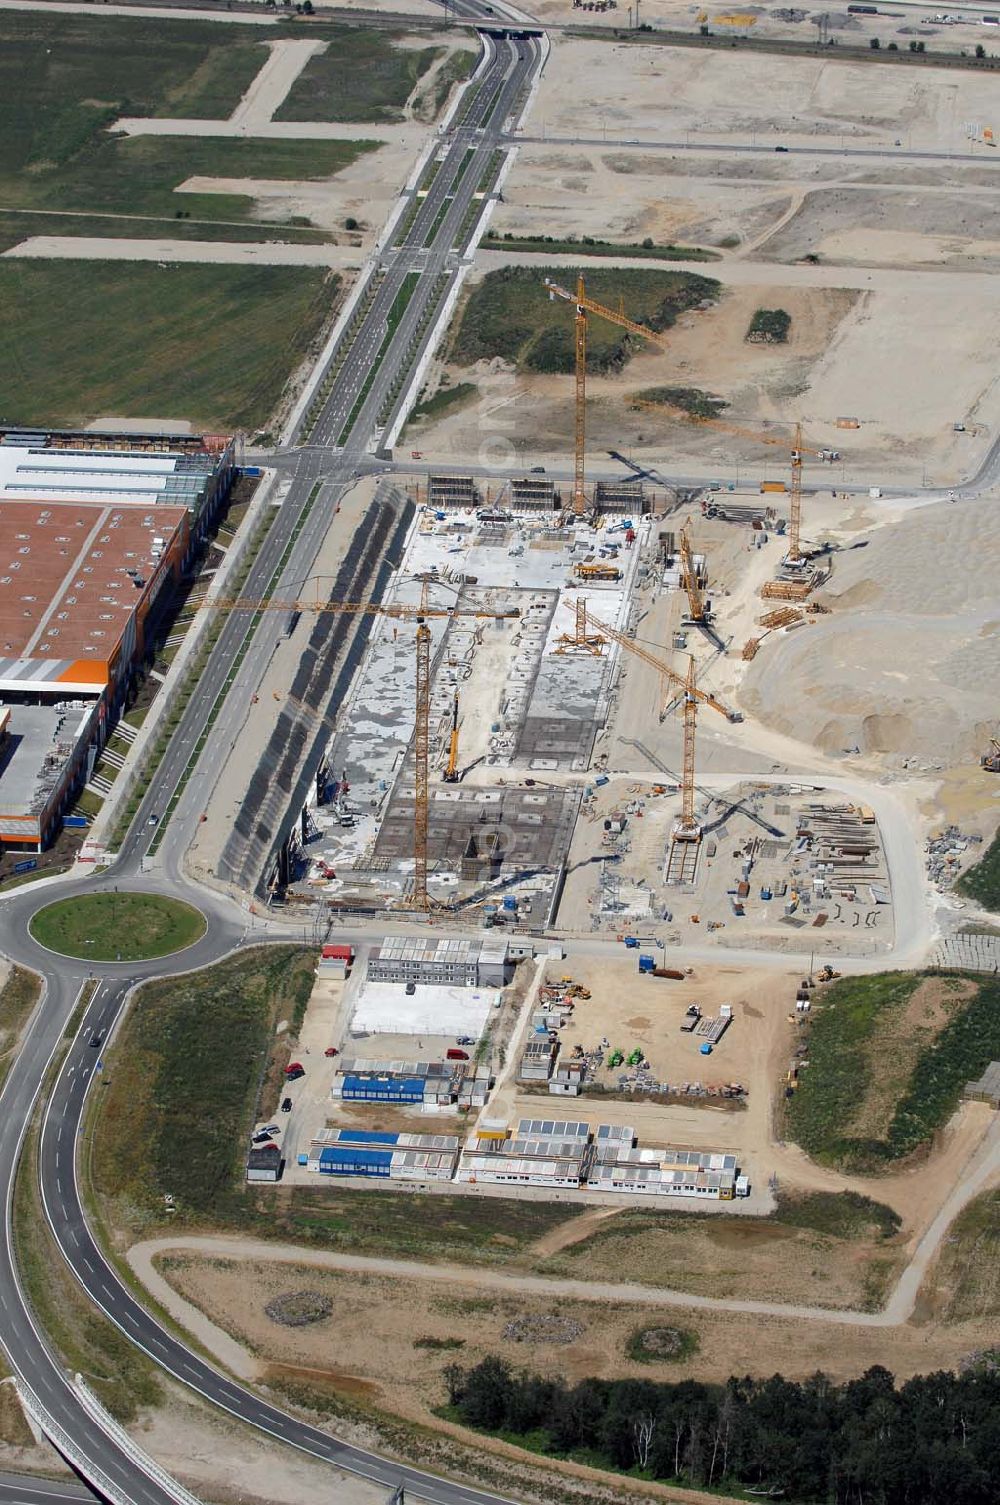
[906, 664]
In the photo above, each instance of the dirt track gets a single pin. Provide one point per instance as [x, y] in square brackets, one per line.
[983, 1169]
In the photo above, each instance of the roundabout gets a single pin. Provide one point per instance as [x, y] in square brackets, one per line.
[118, 927]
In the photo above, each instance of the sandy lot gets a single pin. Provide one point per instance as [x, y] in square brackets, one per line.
[904, 668]
[368, 1347]
[666, 92]
[850, 352]
[895, 243]
[639, 1012]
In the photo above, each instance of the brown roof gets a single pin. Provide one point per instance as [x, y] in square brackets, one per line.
[65, 590]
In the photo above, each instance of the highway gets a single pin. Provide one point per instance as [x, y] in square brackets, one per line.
[346, 428]
[396, 323]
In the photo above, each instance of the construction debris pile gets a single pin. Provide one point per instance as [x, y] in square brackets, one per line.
[945, 853]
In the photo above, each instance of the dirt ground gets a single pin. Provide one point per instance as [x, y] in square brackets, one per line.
[387, 1341]
[897, 255]
[904, 667]
[663, 92]
[646, 1013]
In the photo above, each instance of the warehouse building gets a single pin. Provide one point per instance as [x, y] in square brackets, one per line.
[94, 530]
[387, 1157]
[454, 962]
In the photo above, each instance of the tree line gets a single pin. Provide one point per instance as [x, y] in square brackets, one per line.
[935, 1438]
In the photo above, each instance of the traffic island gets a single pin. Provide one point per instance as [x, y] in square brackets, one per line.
[118, 927]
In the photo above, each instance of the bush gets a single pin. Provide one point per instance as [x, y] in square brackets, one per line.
[769, 326]
[689, 399]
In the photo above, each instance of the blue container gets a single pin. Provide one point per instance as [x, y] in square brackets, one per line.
[509, 902]
[706, 1049]
[75, 820]
[646, 963]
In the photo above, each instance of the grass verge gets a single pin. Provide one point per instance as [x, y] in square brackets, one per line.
[587, 245]
[17, 225]
[117, 926]
[967, 1273]
[510, 314]
[18, 998]
[214, 344]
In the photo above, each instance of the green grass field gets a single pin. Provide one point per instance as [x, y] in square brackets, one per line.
[880, 1082]
[65, 79]
[117, 927]
[19, 225]
[139, 174]
[511, 315]
[361, 76]
[213, 344]
[982, 882]
[163, 1127]
[445, 400]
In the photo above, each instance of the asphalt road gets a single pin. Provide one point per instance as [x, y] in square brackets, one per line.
[61, 1132]
[753, 148]
[18, 1490]
[340, 442]
[339, 449]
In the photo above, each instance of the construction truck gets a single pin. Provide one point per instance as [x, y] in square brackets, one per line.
[598, 572]
[991, 760]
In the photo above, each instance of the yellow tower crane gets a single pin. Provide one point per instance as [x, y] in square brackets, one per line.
[687, 828]
[403, 611]
[697, 606]
[794, 446]
[585, 305]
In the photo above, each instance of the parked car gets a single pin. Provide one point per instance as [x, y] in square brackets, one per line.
[456, 1055]
[292, 1073]
[262, 1137]
[331, 1050]
[286, 1105]
[411, 988]
[465, 1040]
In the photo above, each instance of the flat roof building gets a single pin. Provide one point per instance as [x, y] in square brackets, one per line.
[455, 961]
[94, 529]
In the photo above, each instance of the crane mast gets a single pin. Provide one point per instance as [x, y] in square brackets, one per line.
[692, 585]
[419, 899]
[687, 828]
[585, 305]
